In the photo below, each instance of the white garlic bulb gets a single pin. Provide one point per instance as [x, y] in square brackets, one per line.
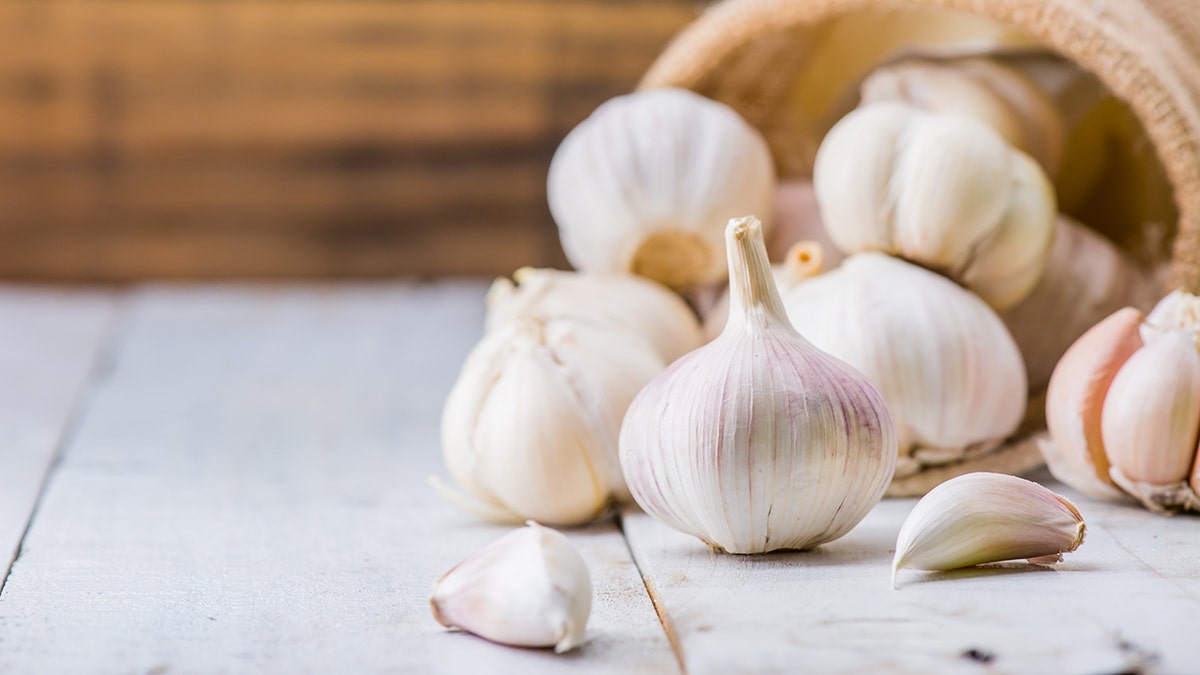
[947, 367]
[982, 518]
[758, 441]
[944, 191]
[997, 94]
[530, 427]
[1123, 408]
[620, 301]
[645, 184]
[1086, 279]
[530, 588]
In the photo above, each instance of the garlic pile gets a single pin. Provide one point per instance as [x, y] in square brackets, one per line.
[530, 588]
[1123, 407]
[758, 441]
[530, 428]
[646, 183]
[948, 369]
[942, 190]
[619, 301]
[981, 518]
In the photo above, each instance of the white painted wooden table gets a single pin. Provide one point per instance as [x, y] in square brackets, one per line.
[233, 480]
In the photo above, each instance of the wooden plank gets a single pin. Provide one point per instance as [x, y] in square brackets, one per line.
[247, 492]
[50, 346]
[1126, 601]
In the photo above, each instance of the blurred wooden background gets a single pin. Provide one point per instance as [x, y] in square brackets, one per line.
[306, 138]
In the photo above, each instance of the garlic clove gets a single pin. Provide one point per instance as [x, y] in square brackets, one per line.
[620, 301]
[530, 427]
[530, 588]
[1075, 399]
[1021, 244]
[1151, 419]
[982, 518]
[758, 441]
[645, 184]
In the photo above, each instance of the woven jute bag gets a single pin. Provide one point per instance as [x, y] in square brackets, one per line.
[782, 64]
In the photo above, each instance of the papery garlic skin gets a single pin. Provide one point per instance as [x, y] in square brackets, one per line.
[1075, 397]
[646, 183]
[620, 301]
[1151, 420]
[947, 367]
[530, 588]
[530, 427]
[1177, 311]
[984, 517]
[758, 441]
[944, 191]
[1086, 279]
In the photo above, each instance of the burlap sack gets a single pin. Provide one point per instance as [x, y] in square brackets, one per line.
[784, 64]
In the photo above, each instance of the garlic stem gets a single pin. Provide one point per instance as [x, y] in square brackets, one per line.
[754, 299]
[804, 260]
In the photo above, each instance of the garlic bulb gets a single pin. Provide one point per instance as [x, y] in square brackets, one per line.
[948, 369]
[619, 301]
[944, 191]
[1086, 279]
[1123, 408]
[994, 93]
[982, 518]
[758, 441]
[530, 588]
[530, 427]
[645, 184]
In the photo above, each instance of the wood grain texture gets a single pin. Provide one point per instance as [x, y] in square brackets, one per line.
[1126, 601]
[247, 492]
[281, 139]
[50, 344]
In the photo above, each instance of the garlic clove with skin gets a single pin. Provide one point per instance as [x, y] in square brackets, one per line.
[982, 518]
[646, 182]
[1075, 398]
[1151, 420]
[530, 588]
[1177, 311]
[530, 427]
[620, 301]
[758, 441]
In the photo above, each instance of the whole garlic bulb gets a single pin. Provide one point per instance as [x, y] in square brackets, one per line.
[758, 441]
[1086, 279]
[530, 427]
[646, 182]
[530, 588]
[944, 191]
[947, 367]
[992, 92]
[619, 301]
[1123, 407]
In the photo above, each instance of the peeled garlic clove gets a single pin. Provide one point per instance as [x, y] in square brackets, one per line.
[530, 427]
[944, 191]
[758, 441]
[530, 588]
[981, 518]
[1075, 399]
[1086, 279]
[621, 301]
[1151, 420]
[645, 184]
[947, 367]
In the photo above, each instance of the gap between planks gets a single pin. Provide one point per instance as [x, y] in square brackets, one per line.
[660, 609]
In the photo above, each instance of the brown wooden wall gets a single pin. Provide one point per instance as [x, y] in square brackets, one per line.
[298, 138]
